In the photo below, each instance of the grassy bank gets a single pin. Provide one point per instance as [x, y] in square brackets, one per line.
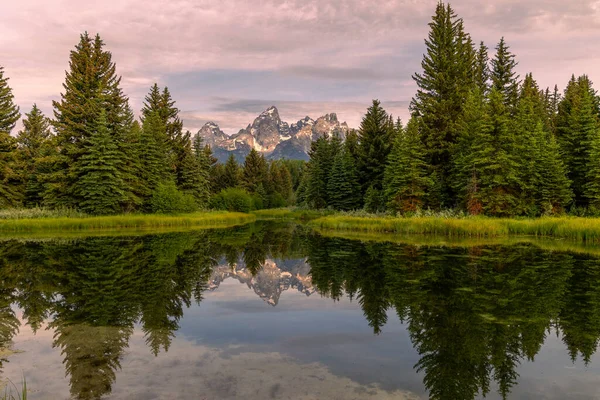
[580, 229]
[298, 214]
[214, 219]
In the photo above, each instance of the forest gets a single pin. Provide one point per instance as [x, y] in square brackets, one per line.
[480, 141]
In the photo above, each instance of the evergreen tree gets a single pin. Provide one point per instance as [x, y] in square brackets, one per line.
[153, 161]
[9, 111]
[449, 72]
[406, 175]
[33, 142]
[553, 188]
[231, 173]
[99, 184]
[504, 77]
[482, 69]
[494, 160]
[576, 124]
[318, 170]
[343, 187]
[10, 179]
[132, 172]
[190, 178]
[91, 86]
[374, 146]
[592, 186]
[255, 172]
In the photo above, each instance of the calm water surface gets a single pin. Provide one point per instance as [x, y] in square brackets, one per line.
[276, 311]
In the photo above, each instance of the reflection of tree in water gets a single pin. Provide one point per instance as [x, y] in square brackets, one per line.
[473, 314]
[96, 289]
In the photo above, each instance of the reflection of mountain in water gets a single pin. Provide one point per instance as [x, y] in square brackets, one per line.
[275, 277]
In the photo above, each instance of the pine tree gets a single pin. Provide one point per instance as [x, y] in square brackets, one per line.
[91, 86]
[33, 142]
[10, 180]
[553, 187]
[465, 179]
[318, 171]
[374, 146]
[495, 161]
[190, 178]
[406, 174]
[504, 78]
[343, 187]
[449, 74]
[99, 184]
[155, 169]
[231, 173]
[255, 172]
[9, 111]
[132, 170]
[576, 124]
[482, 69]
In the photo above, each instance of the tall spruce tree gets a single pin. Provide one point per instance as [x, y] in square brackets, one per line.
[255, 172]
[231, 173]
[33, 142]
[343, 186]
[495, 161]
[576, 124]
[99, 184]
[375, 143]
[190, 178]
[406, 176]
[91, 86]
[449, 72]
[155, 168]
[9, 111]
[553, 187]
[318, 171]
[482, 69]
[504, 78]
[10, 182]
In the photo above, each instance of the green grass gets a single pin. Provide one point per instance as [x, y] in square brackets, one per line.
[580, 229]
[298, 214]
[213, 219]
[17, 395]
[38, 212]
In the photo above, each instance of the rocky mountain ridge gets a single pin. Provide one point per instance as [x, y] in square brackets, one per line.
[271, 136]
[270, 282]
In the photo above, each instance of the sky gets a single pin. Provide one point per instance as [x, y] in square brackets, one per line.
[228, 60]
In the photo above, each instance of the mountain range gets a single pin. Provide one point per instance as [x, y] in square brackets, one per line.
[271, 136]
[275, 277]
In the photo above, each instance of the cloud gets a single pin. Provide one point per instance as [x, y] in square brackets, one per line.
[304, 51]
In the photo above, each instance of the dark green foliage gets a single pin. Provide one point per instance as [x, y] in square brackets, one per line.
[450, 67]
[406, 176]
[592, 186]
[34, 143]
[375, 142]
[192, 179]
[496, 169]
[374, 200]
[255, 172]
[167, 199]
[233, 199]
[9, 111]
[231, 173]
[504, 77]
[343, 186]
[576, 124]
[91, 87]
[317, 173]
[155, 168]
[482, 69]
[10, 178]
[99, 184]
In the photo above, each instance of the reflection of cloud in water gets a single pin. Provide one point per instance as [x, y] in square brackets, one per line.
[190, 371]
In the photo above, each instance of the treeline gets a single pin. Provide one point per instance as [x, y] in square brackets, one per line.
[94, 156]
[479, 140]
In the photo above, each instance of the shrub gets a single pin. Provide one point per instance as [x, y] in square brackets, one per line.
[234, 199]
[167, 199]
